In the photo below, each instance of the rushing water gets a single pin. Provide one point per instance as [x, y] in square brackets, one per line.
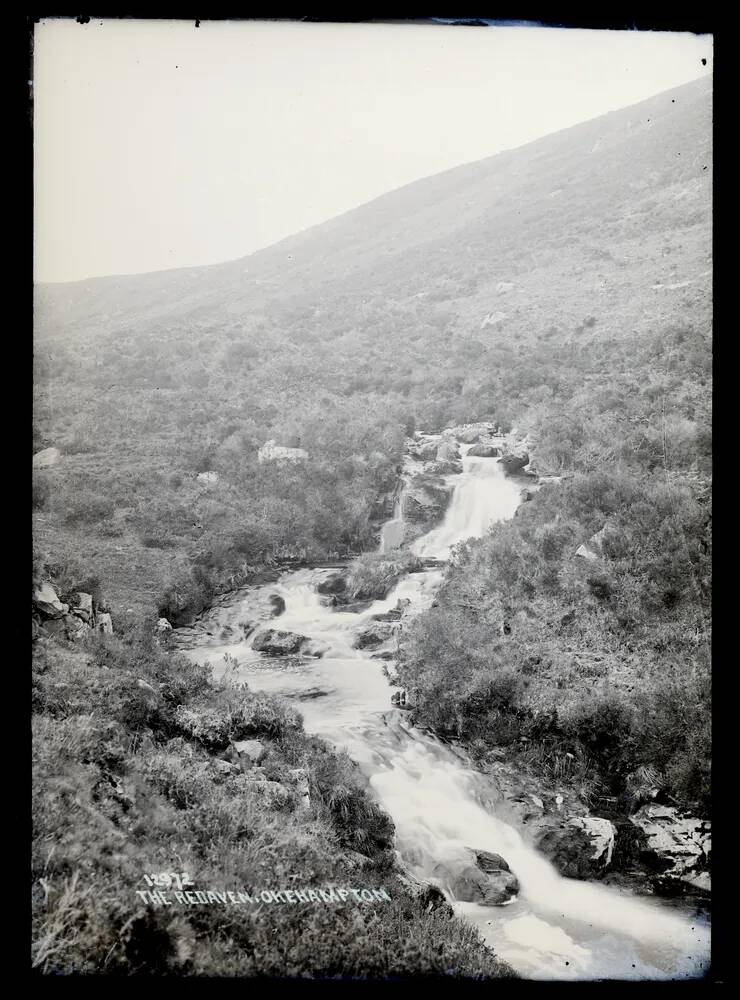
[556, 928]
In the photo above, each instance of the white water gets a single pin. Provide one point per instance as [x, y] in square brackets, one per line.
[557, 928]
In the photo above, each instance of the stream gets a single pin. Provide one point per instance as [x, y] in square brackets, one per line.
[556, 928]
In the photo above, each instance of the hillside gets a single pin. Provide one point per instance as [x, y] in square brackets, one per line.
[489, 291]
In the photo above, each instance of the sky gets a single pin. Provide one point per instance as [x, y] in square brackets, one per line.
[159, 145]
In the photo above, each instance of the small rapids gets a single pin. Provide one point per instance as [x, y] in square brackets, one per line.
[556, 928]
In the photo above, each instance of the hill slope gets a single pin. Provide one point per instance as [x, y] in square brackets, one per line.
[503, 289]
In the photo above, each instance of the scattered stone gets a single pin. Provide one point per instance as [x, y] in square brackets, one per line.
[46, 458]
[207, 477]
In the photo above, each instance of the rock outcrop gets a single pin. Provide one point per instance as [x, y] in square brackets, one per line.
[52, 617]
[675, 844]
[425, 500]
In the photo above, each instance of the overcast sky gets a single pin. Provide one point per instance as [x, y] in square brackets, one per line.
[160, 145]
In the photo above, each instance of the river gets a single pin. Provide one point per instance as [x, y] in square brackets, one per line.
[555, 928]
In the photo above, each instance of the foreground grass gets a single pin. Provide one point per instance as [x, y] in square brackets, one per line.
[129, 779]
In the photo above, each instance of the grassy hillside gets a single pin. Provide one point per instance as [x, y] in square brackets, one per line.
[514, 289]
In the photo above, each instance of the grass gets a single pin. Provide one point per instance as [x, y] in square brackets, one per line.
[373, 575]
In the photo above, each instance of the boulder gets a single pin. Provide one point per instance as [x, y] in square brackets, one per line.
[276, 643]
[250, 751]
[207, 477]
[163, 626]
[489, 862]
[104, 623]
[492, 888]
[277, 603]
[83, 607]
[514, 463]
[447, 451]
[484, 451]
[46, 458]
[469, 437]
[376, 635]
[424, 502]
[334, 584]
[580, 848]
[46, 601]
